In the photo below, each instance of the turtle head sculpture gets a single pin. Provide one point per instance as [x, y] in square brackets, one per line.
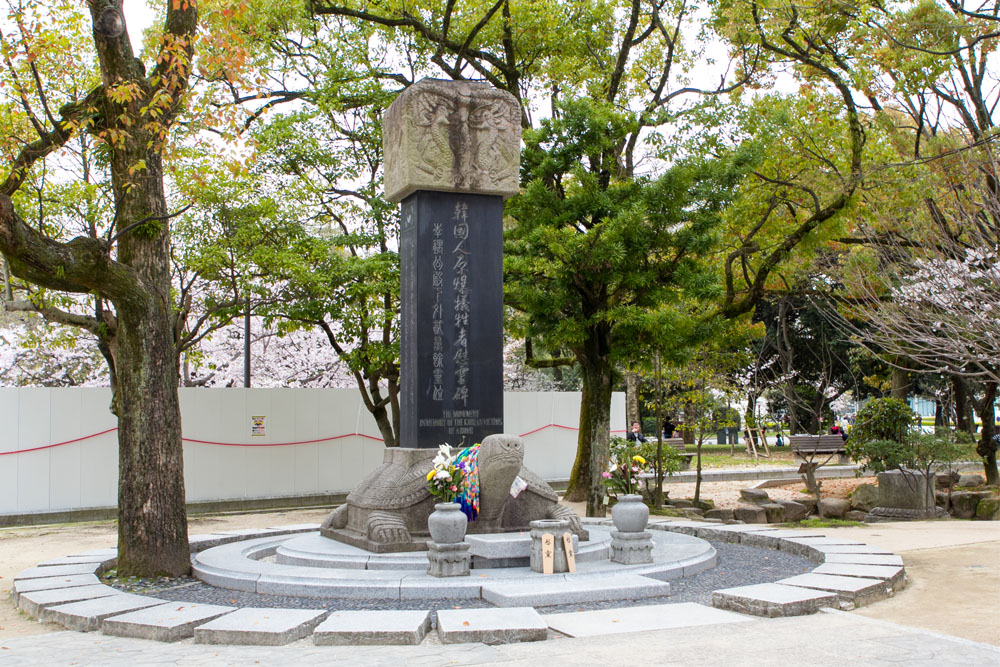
[388, 510]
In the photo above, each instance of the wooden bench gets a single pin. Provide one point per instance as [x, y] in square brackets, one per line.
[808, 447]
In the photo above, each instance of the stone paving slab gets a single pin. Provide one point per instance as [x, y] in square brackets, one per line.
[106, 552]
[165, 622]
[320, 586]
[56, 571]
[849, 549]
[86, 616]
[491, 626]
[855, 590]
[772, 600]
[864, 559]
[773, 539]
[46, 583]
[259, 627]
[894, 575]
[423, 586]
[639, 619]
[78, 560]
[361, 628]
[33, 602]
[568, 589]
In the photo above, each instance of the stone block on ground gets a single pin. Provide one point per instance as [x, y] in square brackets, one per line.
[56, 571]
[681, 503]
[864, 497]
[362, 628]
[811, 504]
[863, 559]
[255, 626]
[858, 591]
[33, 602]
[856, 515]
[46, 583]
[750, 514]
[755, 496]
[639, 619]
[964, 503]
[988, 509]
[946, 480]
[704, 504]
[720, 514]
[894, 575]
[165, 622]
[774, 512]
[491, 626]
[87, 615]
[794, 511]
[970, 480]
[692, 512]
[833, 508]
[574, 590]
[772, 600]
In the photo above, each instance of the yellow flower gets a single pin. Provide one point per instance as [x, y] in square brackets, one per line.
[638, 459]
[431, 474]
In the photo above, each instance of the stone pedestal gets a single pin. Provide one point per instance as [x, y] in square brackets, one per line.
[556, 528]
[904, 496]
[631, 548]
[448, 560]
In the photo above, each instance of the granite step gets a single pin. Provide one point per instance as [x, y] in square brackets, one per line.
[639, 619]
[165, 623]
[260, 627]
[491, 626]
[362, 628]
[773, 600]
[567, 589]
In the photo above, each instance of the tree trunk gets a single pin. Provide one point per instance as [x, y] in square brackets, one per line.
[899, 384]
[595, 424]
[632, 399]
[986, 447]
[963, 405]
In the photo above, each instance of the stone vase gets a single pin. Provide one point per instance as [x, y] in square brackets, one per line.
[447, 523]
[630, 514]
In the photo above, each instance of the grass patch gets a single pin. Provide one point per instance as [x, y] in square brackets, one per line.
[823, 523]
[666, 511]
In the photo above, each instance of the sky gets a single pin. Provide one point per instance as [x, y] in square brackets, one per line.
[138, 17]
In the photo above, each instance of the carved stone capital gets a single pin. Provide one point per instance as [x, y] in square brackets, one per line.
[452, 136]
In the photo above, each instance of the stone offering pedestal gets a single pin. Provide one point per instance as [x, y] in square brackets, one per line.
[448, 560]
[631, 548]
[904, 496]
[555, 528]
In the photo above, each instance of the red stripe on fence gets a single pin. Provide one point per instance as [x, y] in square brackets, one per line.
[262, 444]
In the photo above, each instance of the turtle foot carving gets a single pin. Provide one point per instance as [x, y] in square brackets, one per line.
[387, 528]
[336, 519]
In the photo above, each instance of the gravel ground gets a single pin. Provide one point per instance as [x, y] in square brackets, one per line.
[738, 565]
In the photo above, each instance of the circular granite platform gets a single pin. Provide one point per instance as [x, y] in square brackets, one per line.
[310, 565]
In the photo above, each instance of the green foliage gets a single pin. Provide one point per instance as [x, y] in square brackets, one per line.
[887, 436]
[883, 419]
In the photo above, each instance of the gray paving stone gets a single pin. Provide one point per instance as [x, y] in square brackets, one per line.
[33, 602]
[423, 586]
[772, 539]
[863, 559]
[107, 552]
[165, 622]
[772, 600]
[849, 549]
[45, 583]
[639, 619]
[86, 616]
[855, 590]
[358, 628]
[56, 571]
[79, 560]
[199, 543]
[558, 589]
[894, 575]
[305, 586]
[259, 627]
[491, 626]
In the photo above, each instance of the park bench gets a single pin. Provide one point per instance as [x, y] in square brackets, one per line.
[808, 447]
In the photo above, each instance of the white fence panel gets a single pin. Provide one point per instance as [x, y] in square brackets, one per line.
[59, 447]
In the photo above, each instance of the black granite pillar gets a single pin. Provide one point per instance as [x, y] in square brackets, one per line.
[451, 357]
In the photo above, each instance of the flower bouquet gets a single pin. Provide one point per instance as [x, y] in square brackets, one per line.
[446, 478]
[622, 475]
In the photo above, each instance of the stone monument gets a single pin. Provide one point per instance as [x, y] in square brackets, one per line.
[452, 153]
[904, 495]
